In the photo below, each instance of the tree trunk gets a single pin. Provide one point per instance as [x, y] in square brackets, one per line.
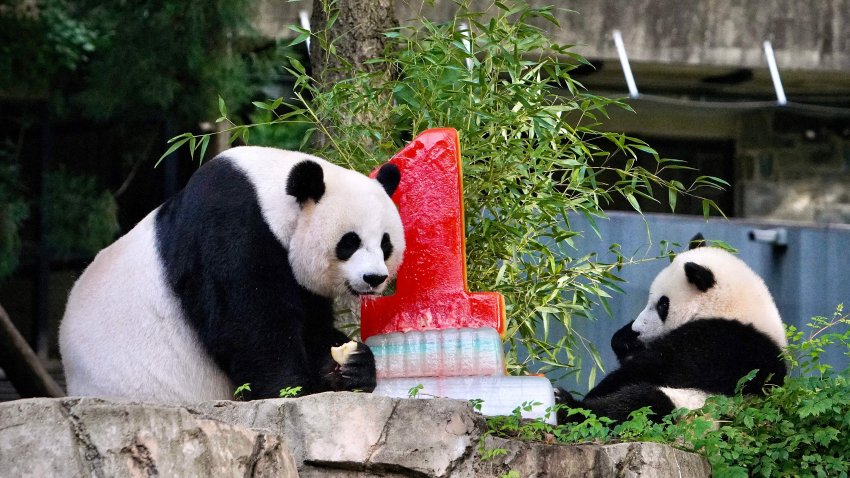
[357, 35]
[21, 364]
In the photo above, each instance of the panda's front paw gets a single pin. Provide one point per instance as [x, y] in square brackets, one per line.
[566, 400]
[354, 368]
[563, 397]
[626, 343]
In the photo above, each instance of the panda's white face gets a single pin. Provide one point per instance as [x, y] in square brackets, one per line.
[708, 282]
[347, 249]
[341, 229]
[350, 242]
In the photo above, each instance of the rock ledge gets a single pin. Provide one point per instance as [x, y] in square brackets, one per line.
[329, 434]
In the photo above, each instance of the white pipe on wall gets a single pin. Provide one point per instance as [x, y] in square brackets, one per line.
[624, 62]
[774, 74]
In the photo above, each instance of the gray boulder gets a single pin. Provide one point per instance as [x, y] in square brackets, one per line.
[90, 437]
[649, 460]
[361, 432]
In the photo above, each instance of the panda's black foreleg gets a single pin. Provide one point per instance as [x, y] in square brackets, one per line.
[643, 366]
[303, 362]
[618, 404]
[270, 366]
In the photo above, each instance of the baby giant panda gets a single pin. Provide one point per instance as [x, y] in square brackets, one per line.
[231, 281]
[709, 321]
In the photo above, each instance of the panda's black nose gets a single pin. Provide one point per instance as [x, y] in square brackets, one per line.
[374, 280]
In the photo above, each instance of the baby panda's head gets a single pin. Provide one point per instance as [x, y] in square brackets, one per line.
[708, 282]
[348, 238]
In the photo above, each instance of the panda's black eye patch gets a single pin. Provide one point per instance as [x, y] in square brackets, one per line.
[386, 246]
[663, 307]
[347, 246]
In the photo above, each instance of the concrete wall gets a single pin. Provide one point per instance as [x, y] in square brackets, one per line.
[791, 163]
[813, 34]
[805, 35]
[794, 166]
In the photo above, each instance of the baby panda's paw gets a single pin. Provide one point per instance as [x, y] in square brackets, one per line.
[353, 368]
[565, 399]
[626, 343]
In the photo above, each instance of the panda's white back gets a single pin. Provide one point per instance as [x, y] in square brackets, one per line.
[121, 315]
[137, 326]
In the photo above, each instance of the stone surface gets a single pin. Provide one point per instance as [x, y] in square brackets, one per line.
[364, 432]
[90, 437]
[338, 435]
[650, 460]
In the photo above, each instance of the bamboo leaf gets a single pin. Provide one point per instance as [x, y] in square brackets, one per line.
[222, 108]
[205, 141]
[171, 149]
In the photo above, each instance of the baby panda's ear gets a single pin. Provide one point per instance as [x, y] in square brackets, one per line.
[699, 276]
[389, 176]
[696, 241]
[306, 181]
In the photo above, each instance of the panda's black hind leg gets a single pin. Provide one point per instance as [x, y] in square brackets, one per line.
[618, 404]
[356, 373]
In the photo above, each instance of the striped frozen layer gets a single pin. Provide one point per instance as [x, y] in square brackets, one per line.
[438, 353]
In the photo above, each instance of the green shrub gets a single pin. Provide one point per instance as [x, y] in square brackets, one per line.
[81, 217]
[13, 211]
[285, 136]
[799, 429]
[166, 56]
[40, 40]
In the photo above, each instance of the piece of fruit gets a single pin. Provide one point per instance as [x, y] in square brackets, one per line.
[340, 354]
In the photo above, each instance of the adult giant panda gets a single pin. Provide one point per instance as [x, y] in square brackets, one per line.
[709, 321]
[232, 280]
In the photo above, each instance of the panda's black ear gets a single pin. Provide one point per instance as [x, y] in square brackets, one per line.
[306, 181]
[696, 241]
[389, 176]
[699, 276]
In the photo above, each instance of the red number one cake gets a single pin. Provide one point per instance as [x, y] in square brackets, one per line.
[434, 332]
